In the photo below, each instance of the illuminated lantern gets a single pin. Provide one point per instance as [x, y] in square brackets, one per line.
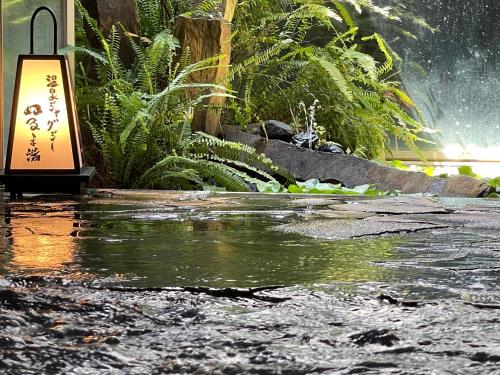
[44, 150]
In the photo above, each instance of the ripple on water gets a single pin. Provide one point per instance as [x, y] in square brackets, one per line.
[417, 303]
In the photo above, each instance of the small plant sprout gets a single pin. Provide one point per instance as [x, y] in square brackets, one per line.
[310, 123]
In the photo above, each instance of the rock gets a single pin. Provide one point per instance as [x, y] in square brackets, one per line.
[254, 128]
[395, 206]
[352, 171]
[464, 186]
[375, 336]
[314, 202]
[253, 188]
[306, 140]
[349, 215]
[489, 221]
[277, 130]
[341, 228]
[331, 148]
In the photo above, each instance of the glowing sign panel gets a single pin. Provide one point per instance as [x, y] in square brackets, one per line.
[44, 132]
[44, 151]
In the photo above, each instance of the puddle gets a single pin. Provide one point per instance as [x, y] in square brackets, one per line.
[135, 244]
[166, 246]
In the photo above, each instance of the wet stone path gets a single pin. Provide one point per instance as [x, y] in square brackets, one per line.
[127, 283]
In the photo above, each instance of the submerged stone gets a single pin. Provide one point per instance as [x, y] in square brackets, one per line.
[392, 206]
[338, 229]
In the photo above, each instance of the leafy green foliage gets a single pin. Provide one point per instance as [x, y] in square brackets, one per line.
[271, 187]
[139, 116]
[494, 183]
[427, 169]
[466, 170]
[398, 164]
[277, 64]
[316, 187]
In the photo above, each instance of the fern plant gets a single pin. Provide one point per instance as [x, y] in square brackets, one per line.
[278, 62]
[139, 117]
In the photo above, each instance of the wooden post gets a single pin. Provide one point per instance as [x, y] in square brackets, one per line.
[208, 37]
[107, 13]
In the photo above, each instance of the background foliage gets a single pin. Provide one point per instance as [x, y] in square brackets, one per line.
[139, 116]
[287, 55]
[292, 51]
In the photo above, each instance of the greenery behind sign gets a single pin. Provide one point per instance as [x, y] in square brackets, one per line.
[139, 116]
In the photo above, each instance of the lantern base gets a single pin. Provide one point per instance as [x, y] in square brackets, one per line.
[17, 184]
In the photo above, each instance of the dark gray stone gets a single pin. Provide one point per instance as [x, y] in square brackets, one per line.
[485, 221]
[254, 128]
[465, 186]
[306, 140]
[341, 229]
[277, 130]
[395, 206]
[352, 171]
[331, 148]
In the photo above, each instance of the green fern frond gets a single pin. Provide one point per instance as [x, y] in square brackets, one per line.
[344, 13]
[321, 12]
[335, 75]
[388, 65]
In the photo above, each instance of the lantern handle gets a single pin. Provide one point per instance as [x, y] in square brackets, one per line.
[32, 30]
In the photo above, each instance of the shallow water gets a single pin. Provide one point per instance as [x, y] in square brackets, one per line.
[388, 304]
[165, 246]
[144, 245]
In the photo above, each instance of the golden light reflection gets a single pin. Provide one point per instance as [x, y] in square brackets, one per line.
[43, 242]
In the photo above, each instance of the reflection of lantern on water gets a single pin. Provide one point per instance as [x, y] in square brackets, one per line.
[42, 242]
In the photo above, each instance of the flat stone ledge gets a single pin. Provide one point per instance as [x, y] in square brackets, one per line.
[340, 229]
[395, 206]
[352, 171]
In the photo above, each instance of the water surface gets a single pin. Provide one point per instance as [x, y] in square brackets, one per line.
[98, 286]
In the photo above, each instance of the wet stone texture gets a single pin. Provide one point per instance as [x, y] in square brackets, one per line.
[335, 229]
[157, 283]
[56, 328]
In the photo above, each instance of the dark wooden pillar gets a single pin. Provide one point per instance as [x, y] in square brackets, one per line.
[107, 13]
[208, 37]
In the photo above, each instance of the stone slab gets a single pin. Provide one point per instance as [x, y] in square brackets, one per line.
[395, 206]
[463, 219]
[352, 171]
[332, 229]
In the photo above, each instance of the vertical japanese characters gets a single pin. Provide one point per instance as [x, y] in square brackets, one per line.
[54, 112]
[32, 114]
